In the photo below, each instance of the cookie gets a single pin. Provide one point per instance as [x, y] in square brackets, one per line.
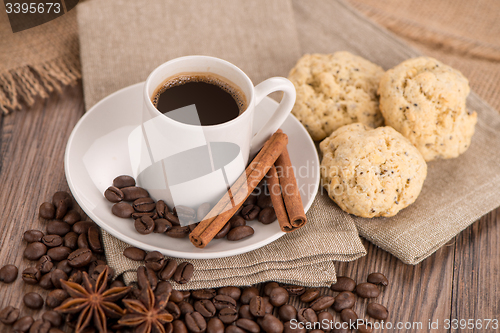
[424, 100]
[371, 172]
[335, 90]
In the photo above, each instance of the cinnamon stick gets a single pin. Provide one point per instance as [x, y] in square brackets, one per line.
[279, 205]
[290, 190]
[239, 191]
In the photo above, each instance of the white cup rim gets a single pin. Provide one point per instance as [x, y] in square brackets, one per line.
[158, 69]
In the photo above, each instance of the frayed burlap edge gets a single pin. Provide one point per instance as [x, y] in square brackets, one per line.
[22, 85]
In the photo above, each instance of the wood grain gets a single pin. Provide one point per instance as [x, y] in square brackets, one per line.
[459, 281]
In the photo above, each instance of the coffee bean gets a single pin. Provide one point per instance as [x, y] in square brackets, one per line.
[59, 253]
[203, 293]
[294, 290]
[46, 281]
[56, 297]
[264, 201]
[155, 260]
[287, 328]
[250, 212]
[244, 312]
[344, 283]
[327, 317]
[39, 326]
[178, 232]
[52, 240]
[137, 215]
[310, 295]
[114, 194]
[162, 226]
[83, 242]
[23, 324]
[224, 301]
[122, 209]
[267, 215]
[228, 315]
[145, 225]
[56, 277]
[146, 276]
[33, 236]
[248, 325]
[363, 328]
[205, 307]
[47, 211]
[62, 202]
[71, 240]
[195, 322]
[224, 231]
[287, 312]
[176, 296]
[132, 193]
[367, 290]
[322, 303]
[72, 217]
[215, 325]
[172, 218]
[168, 270]
[239, 233]
[179, 327]
[202, 211]
[377, 311]
[348, 316]
[306, 315]
[8, 273]
[268, 306]
[94, 238]
[64, 266]
[143, 205]
[185, 307]
[271, 324]
[183, 273]
[44, 264]
[233, 292]
[234, 329]
[378, 278]
[247, 294]
[237, 221]
[258, 306]
[9, 315]
[123, 181]
[53, 317]
[163, 287]
[35, 251]
[31, 275]
[33, 300]
[60, 228]
[134, 253]
[278, 296]
[80, 258]
[161, 208]
[344, 300]
[82, 227]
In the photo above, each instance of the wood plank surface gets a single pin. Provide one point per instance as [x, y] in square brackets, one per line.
[459, 281]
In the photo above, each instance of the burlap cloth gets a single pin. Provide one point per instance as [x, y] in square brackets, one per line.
[265, 38]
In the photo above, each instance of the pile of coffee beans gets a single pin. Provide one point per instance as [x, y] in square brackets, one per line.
[131, 201]
[157, 265]
[67, 248]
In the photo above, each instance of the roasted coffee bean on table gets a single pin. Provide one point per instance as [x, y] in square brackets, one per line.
[240, 232]
[33, 236]
[47, 210]
[348, 316]
[287, 312]
[44, 264]
[56, 297]
[33, 300]
[9, 315]
[59, 253]
[344, 283]
[278, 296]
[35, 250]
[344, 300]
[378, 278]
[52, 240]
[322, 303]
[307, 315]
[155, 260]
[72, 217]
[377, 311]
[8, 273]
[56, 227]
[367, 290]
[134, 253]
[23, 324]
[80, 258]
[309, 295]
[183, 273]
[53, 317]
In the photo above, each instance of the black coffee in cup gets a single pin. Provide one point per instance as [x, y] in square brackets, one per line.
[216, 101]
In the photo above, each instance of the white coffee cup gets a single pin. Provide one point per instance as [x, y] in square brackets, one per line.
[186, 164]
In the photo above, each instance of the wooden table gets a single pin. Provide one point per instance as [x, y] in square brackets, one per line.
[459, 281]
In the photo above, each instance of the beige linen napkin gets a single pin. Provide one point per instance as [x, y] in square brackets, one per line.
[258, 36]
[456, 192]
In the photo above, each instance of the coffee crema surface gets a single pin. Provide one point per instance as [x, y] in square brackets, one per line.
[215, 99]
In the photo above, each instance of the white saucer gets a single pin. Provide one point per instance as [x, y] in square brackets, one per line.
[97, 152]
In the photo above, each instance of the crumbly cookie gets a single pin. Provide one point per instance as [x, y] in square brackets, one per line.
[335, 90]
[424, 100]
[371, 172]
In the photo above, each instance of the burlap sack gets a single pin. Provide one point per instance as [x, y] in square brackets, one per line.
[259, 37]
[118, 51]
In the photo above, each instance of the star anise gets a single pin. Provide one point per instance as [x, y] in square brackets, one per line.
[93, 301]
[147, 314]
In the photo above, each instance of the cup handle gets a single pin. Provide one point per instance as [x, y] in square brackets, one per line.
[262, 90]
